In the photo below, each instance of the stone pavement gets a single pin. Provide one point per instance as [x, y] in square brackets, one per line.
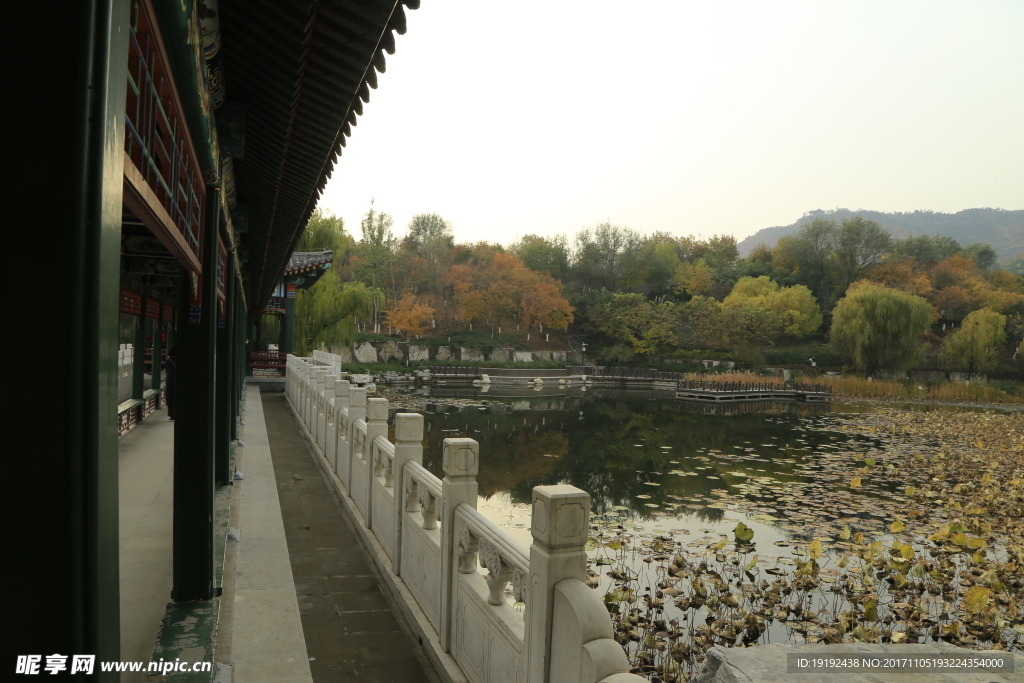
[145, 461]
[351, 631]
[266, 638]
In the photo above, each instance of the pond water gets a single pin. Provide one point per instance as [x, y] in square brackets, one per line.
[645, 458]
[670, 478]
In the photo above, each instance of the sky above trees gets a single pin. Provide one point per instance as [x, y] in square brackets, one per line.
[689, 118]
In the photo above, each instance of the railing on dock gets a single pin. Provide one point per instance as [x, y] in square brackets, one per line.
[455, 370]
[731, 387]
[531, 618]
[639, 374]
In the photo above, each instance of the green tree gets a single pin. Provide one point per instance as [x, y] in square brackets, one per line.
[976, 342]
[325, 231]
[325, 314]
[794, 308]
[430, 238]
[983, 255]
[602, 255]
[632, 319]
[1015, 265]
[705, 323]
[859, 245]
[544, 254]
[828, 257]
[880, 328]
[375, 254]
[806, 255]
[660, 261]
[924, 248]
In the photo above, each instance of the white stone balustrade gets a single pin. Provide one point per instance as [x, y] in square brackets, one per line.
[531, 618]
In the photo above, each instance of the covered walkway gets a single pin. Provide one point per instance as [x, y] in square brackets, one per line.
[300, 601]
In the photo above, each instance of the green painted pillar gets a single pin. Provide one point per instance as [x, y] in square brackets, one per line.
[139, 354]
[250, 338]
[241, 348]
[64, 504]
[158, 352]
[287, 341]
[194, 424]
[237, 376]
[224, 390]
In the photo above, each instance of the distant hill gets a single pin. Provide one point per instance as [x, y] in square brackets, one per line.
[1000, 228]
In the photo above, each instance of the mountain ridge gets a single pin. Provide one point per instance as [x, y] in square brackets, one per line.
[1002, 229]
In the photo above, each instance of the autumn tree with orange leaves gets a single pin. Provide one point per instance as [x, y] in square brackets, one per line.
[410, 316]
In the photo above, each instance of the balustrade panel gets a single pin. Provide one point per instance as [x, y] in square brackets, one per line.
[382, 496]
[359, 475]
[487, 628]
[421, 540]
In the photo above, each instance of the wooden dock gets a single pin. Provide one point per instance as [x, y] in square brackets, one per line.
[734, 392]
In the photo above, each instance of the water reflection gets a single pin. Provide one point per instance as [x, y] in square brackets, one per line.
[640, 454]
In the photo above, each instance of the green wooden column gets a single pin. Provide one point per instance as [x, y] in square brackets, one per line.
[158, 354]
[287, 342]
[250, 338]
[64, 504]
[194, 424]
[224, 390]
[139, 354]
[242, 358]
[237, 315]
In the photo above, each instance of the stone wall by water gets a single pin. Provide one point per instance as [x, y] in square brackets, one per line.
[400, 351]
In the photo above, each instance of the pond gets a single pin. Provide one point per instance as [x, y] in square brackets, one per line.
[759, 522]
[644, 456]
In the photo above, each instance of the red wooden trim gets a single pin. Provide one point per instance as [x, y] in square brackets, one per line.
[131, 303]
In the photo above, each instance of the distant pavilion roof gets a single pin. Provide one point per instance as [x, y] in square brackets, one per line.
[308, 261]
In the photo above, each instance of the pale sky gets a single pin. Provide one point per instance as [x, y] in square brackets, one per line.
[696, 118]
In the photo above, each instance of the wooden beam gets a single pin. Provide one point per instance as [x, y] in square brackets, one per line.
[142, 201]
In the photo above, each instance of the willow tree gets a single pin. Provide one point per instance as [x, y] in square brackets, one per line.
[880, 328]
[979, 338]
[325, 314]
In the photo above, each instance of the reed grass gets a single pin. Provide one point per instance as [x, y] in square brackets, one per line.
[946, 391]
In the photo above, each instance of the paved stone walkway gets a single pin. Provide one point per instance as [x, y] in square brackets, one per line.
[145, 479]
[352, 633]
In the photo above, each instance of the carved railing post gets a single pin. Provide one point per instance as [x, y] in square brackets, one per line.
[318, 401]
[461, 464]
[560, 526]
[307, 373]
[356, 412]
[288, 372]
[329, 382]
[341, 400]
[310, 387]
[292, 374]
[376, 425]
[408, 447]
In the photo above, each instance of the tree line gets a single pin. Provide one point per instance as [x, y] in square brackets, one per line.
[633, 296]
